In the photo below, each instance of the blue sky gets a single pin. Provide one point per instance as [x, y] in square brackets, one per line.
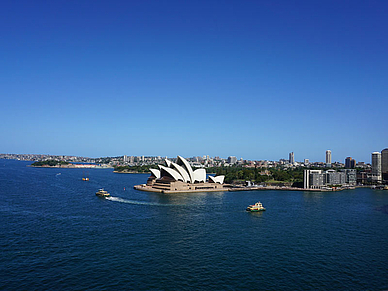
[253, 79]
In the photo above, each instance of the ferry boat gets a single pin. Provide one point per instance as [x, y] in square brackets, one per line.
[102, 193]
[256, 207]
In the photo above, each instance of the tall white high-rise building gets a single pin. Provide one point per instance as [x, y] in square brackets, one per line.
[291, 159]
[328, 157]
[376, 166]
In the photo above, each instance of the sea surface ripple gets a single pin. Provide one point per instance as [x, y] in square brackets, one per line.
[56, 234]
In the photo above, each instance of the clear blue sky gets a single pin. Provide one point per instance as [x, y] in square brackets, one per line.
[252, 79]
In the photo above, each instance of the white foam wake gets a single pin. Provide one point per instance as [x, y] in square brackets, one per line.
[118, 199]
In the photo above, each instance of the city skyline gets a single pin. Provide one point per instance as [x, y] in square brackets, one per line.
[348, 162]
[256, 80]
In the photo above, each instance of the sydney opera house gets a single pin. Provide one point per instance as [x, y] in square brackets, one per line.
[180, 177]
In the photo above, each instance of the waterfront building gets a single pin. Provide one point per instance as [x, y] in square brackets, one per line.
[328, 158]
[180, 177]
[333, 177]
[384, 163]
[350, 163]
[313, 179]
[376, 166]
[350, 176]
[291, 159]
[362, 177]
[316, 179]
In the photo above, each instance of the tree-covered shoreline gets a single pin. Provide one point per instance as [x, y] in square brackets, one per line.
[133, 169]
[49, 163]
[236, 175]
[239, 174]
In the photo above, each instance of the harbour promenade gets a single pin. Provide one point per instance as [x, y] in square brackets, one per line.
[230, 188]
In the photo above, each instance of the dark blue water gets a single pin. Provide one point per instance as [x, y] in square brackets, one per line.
[56, 234]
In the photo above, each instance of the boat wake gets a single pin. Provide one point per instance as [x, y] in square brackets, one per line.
[118, 199]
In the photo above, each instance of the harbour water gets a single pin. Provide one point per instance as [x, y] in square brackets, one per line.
[55, 234]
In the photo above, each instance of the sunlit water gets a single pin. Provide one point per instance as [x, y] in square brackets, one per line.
[56, 234]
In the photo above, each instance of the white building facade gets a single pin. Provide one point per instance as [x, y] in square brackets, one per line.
[328, 158]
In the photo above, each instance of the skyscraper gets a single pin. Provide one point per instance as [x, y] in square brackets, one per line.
[376, 166]
[350, 163]
[291, 158]
[384, 163]
[328, 158]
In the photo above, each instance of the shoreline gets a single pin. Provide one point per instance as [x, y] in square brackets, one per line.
[120, 172]
[143, 187]
[72, 166]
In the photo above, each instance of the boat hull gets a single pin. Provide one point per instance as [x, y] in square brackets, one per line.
[255, 210]
[256, 207]
[102, 193]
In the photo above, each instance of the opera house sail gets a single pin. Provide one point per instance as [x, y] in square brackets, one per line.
[180, 177]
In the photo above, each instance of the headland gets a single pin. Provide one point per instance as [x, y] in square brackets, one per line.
[66, 165]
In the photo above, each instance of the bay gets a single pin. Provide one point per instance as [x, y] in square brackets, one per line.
[56, 234]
